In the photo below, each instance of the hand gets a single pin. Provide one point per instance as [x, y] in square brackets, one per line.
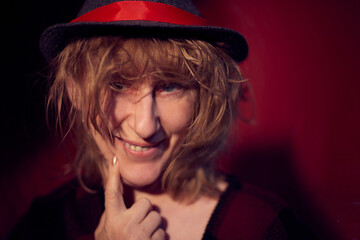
[118, 222]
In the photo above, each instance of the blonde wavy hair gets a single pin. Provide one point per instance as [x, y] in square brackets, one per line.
[90, 67]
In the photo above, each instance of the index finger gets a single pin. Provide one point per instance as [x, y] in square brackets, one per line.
[114, 201]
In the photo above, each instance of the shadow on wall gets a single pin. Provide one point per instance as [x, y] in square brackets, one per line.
[269, 165]
[25, 141]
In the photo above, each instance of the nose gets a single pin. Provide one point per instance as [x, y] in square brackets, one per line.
[146, 119]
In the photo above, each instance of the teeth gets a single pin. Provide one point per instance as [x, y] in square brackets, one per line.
[136, 148]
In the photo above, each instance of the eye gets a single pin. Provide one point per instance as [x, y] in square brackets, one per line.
[170, 87]
[117, 86]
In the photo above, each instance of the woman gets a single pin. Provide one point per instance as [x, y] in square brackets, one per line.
[150, 91]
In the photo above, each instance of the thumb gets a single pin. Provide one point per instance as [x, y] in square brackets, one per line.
[114, 200]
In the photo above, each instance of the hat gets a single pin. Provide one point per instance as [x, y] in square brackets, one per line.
[147, 18]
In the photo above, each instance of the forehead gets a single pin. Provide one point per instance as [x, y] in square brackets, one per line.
[152, 52]
[141, 59]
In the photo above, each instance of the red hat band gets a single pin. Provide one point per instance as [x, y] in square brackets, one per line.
[141, 10]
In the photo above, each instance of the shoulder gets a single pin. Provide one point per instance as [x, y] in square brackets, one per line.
[58, 215]
[248, 212]
[251, 200]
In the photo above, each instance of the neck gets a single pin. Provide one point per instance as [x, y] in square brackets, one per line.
[151, 192]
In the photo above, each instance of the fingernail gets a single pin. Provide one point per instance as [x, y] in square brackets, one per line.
[114, 162]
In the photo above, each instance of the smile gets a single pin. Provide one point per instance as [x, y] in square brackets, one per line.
[135, 148]
[142, 149]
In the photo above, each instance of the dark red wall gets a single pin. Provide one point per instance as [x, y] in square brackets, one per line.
[303, 68]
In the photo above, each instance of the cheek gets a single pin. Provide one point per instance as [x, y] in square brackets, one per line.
[118, 110]
[175, 116]
[103, 145]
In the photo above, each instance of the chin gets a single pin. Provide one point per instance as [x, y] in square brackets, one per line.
[142, 179]
[140, 184]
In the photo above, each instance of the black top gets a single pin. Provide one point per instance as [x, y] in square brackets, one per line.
[243, 212]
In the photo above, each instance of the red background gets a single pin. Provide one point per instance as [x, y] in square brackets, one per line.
[303, 144]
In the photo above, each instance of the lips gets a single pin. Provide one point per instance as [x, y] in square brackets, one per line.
[141, 149]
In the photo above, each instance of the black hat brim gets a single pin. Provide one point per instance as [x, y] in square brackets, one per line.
[55, 38]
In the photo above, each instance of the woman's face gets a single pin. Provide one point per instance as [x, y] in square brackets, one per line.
[148, 124]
